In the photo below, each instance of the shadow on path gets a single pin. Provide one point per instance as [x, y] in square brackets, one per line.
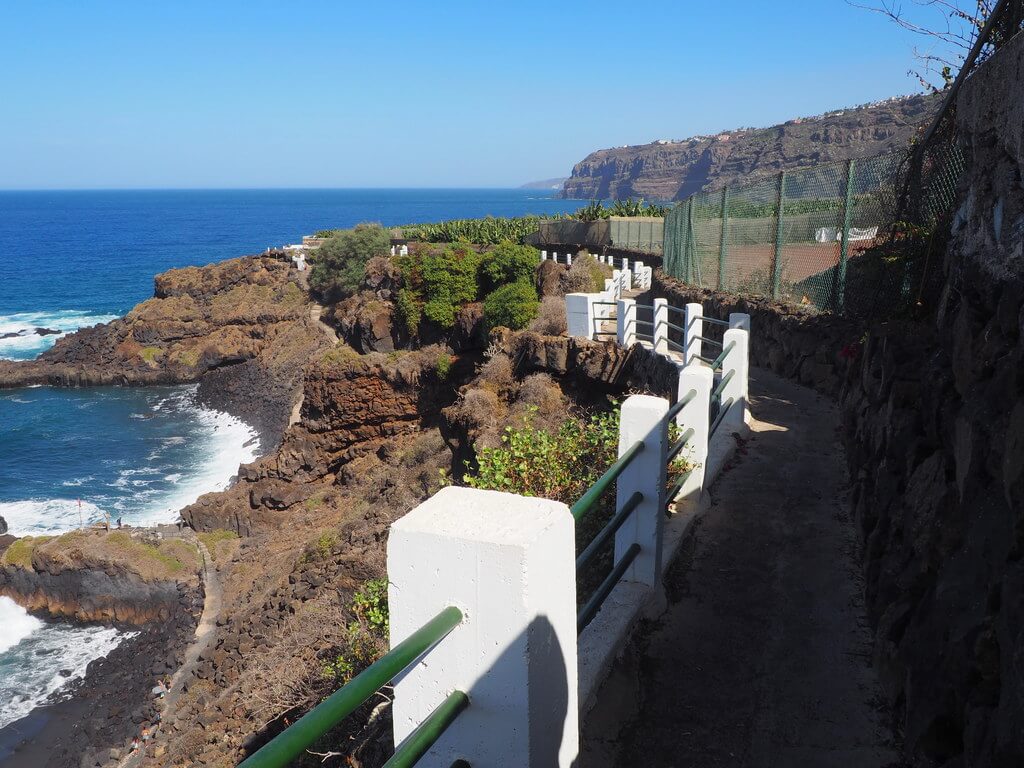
[762, 657]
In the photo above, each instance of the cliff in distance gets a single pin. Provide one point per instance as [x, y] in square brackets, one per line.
[674, 170]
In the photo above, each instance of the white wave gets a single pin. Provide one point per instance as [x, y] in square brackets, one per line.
[150, 495]
[38, 666]
[76, 481]
[30, 344]
[38, 517]
[15, 624]
[223, 442]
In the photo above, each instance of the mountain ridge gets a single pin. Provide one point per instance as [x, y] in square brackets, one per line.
[675, 169]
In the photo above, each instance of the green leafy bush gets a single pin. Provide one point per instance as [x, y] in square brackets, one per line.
[508, 263]
[513, 306]
[487, 231]
[449, 280]
[339, 264]
[560, 465]
[596, 210]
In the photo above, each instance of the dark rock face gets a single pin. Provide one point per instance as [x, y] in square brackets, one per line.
[3, 526]
[673, 171]
[200, 319]
[935, 438]
[88, 594]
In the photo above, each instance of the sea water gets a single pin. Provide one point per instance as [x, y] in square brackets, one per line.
[71, 457]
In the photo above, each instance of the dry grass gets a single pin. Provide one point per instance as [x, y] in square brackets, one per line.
[550, 320]
[20, 552]
[219, 543]
[151, 558]
[586, 275]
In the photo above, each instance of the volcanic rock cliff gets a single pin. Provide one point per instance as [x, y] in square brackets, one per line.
[674, 170]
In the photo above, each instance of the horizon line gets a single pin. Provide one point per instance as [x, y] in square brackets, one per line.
[265, 189]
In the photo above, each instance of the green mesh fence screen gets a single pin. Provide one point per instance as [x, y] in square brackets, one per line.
[798, 236]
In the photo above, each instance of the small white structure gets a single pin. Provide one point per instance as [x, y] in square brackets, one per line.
[299, 259]
[508, 563]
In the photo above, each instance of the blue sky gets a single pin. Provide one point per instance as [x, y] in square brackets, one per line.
[388, 94]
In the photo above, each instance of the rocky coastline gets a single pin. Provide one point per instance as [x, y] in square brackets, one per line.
[241, 329]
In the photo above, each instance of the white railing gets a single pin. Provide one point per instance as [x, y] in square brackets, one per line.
[638, 277]
[530, 664]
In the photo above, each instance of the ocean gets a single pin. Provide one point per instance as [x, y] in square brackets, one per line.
[76, 456]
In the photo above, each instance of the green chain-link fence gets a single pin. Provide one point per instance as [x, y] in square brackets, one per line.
[800, 236]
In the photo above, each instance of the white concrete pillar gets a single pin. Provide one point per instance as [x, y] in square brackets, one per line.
[392, 250]
[694, 324]
[661, 326]
[737, 388]
[626, 326]
[639, 273]
[507, 562]
[579, 315]
[554, 256]
[543, 255]
[625, 264]
[695, 416]
[739, 320]
[627, 280]
[609, 287]
[568, 259]
[643, 419]
[617, 283]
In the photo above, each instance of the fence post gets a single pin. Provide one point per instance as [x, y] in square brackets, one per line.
[689, 241]
[627, 280]
[543, 255]
[780, 232]
[580, 318]
[507, 562]
[568, 259]
[844, 246]
[617, 283]
[736, 388]
[661, 326]
[626, 322]
[723, 241]
[739, 320]
[643, 418]
[695, 415]
[694, 325]
[640, 275]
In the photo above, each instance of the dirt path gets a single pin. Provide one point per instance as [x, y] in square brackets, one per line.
[762, 658]
[204, 635]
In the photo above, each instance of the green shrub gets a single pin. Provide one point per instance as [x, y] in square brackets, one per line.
[513, 306]
[449, 280]
[339, 264]
[443, 366]
[508, 263]
[409, 309]
[559, 466]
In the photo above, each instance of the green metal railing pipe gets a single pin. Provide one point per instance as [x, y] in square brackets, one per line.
[290, 743]
[597, 599]
[679, 445]
[717, 362]
[675, 409]
[609, 530]
[428, 732]
[722, 410]
[714, 321]
[717, 392]
[677, 487]
[604, 482]
[707, 340]
[675, 327]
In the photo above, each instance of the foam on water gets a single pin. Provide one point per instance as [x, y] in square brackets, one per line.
[39, 661]
[31, 344]
[154, 490]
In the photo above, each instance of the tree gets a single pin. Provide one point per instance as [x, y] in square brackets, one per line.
[952, 27]
[340, 263]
